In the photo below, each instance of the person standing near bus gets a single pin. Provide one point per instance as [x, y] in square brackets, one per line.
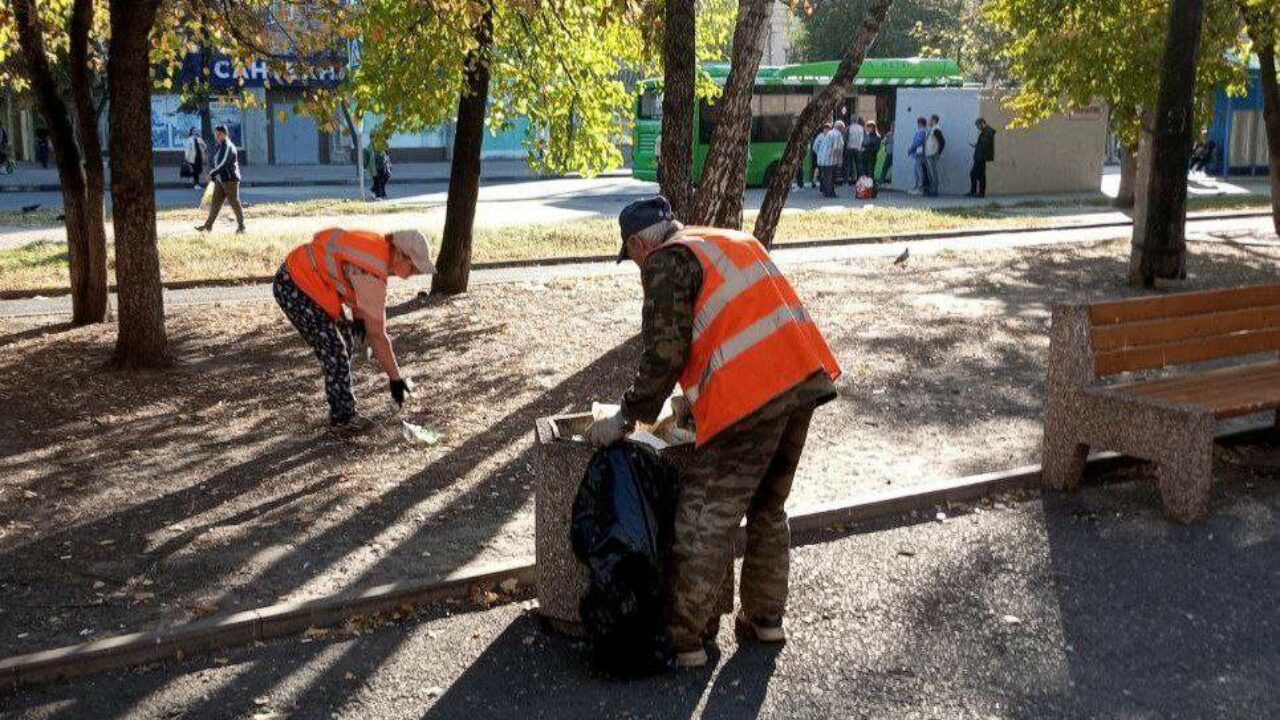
[934, 145]
[870, 150]
[916, 152]
[853, 152]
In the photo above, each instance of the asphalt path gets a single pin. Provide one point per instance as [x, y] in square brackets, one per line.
[1063, 607]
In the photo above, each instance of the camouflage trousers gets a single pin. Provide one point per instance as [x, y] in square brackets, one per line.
[746, 471]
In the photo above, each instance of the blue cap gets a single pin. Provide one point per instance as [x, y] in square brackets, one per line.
[641, 214]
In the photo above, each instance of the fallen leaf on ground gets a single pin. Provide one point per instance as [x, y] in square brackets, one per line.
[202, 610]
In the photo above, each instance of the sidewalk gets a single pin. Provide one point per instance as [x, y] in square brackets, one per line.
[1062, 607]
[32, 178]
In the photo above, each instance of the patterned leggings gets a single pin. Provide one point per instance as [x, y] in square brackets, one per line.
[330, 339]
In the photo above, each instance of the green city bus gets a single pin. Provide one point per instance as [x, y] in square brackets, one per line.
[781, 92]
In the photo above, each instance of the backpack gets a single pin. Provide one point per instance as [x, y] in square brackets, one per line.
[623, 519]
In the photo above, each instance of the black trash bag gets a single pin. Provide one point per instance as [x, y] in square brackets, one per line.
[623, 516]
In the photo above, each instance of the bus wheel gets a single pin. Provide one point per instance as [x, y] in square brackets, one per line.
[769, 172]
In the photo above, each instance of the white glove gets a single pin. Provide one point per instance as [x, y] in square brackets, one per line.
[607, 430]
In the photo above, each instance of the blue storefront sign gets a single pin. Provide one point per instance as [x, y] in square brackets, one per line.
[222, 72]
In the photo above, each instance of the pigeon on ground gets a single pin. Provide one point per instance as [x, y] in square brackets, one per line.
[30, 208]
[904, 257]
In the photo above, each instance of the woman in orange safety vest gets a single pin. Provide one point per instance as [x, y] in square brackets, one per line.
[342, 269]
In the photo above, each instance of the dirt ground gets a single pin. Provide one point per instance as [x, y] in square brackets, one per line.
[128, 502]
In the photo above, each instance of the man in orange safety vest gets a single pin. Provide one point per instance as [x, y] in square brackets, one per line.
[720, 320]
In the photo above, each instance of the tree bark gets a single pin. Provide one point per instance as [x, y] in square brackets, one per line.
[86, 307]
[1163, 250]
[142, 341]
[453, 267]
[679, 71]
[718, 200]
[1128, 174]
[821, 106]
[1271, 118]
[95, 290]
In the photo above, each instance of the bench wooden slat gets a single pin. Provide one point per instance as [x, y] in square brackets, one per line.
[1183, 304]
[1107, 338]
[1226, 392]
[1187, 351]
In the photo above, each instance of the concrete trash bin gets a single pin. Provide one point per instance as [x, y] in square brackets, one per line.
[560, 461]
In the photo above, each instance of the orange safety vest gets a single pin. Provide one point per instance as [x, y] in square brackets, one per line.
[752, 339]
[318, 267]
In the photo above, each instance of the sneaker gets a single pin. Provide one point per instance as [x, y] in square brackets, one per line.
[354, 426]
[203, 228]
[691, 658]
[240, 230]
[761, 631]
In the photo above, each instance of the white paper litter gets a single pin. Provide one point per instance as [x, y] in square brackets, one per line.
[419, 434]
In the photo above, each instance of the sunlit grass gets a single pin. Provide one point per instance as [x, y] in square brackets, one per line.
[190, 256]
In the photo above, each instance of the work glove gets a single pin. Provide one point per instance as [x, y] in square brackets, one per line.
[607, 430]
[399, 389]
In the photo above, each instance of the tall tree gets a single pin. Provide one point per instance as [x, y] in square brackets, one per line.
[142, 341]
[1068, 54]
[821, 106]
[454, 265]
[556, 63]
[1161, 250]
[679, 74]
[73, 133]
[1263, 20]
[719, 197]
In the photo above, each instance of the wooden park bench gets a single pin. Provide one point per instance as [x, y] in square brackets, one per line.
[1172, 419]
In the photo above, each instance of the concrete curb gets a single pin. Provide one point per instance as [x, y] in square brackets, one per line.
[796, 245]
[276, 621]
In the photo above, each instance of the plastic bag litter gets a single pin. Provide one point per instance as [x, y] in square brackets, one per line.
[206, 200]
[623, 515]
[420, 434]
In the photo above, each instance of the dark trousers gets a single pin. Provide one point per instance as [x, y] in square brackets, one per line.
[329, 339]
[225, 191]
[380, 184]
[827, 176]
[852, 165]
[978, 178]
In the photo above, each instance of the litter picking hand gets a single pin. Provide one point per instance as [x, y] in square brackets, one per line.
[607, 430]
[400, 389]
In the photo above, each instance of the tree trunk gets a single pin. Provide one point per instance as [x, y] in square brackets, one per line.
[142, 341]
[821, 106]
[453, 267]
[718, 200]
[1271, 118]
[94, 302]
[85, 307]
[1128, 174]
[1163, 251]
[679, 71]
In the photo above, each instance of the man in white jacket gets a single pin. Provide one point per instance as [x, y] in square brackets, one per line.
[934, 144]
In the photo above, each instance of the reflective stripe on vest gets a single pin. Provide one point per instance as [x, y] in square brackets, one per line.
[745, 340]
[330, 249]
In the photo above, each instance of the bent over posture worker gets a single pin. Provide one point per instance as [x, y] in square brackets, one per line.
[349, 268]
[723, 322]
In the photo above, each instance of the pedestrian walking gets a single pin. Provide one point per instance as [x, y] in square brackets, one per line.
[194, 152]
[934, 145]
[377, 162]
[720, 320]
[1202, 153]
[854, 138]
[224, 173]
[916, 152]
[984, 151]
[341, 269]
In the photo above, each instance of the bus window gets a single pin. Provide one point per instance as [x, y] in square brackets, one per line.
[771, 128]
[650, 105]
